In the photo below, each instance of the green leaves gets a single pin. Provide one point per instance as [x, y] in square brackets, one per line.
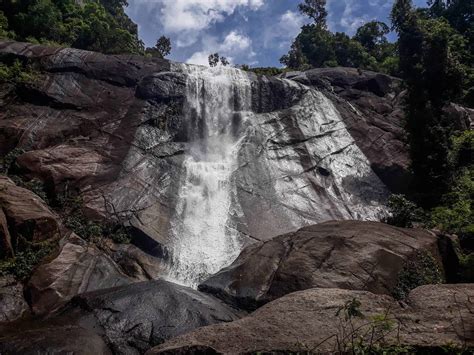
[96, 25]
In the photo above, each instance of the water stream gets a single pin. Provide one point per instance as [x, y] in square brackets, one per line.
[218, 99]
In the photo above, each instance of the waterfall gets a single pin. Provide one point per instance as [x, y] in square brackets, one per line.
[204, 241]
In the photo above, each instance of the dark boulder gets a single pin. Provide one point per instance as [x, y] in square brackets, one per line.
[130, 319]
[163, 86]
[349, 255]
[51, 339]
[136, 317]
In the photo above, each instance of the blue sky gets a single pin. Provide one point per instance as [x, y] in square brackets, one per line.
[254, 32]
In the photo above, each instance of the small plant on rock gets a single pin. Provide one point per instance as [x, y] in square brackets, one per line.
[403, 213]
[26, 260]
[420, 270]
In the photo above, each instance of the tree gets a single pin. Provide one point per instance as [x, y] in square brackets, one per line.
[93, 25]
[433, 76]
[372, 35]
[316, 10]
[215, 59]
[295, 59]
[3, 26]
[161, 49]
[317, 47]
[224, 61]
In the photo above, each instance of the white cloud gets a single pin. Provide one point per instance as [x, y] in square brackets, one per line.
[234, 45]
[285, 30]
[195, 15]
[186, 19]
[349, 15]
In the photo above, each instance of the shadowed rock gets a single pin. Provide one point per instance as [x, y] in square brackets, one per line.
[12, 303]
[131, 319]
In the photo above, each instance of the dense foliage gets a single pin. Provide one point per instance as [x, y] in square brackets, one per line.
[421, 270]
[431, 62]
[97, 25]
[317, 47]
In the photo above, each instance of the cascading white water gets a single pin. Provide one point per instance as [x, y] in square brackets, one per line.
[203, 239]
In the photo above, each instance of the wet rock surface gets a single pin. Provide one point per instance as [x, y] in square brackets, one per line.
[371, 106]
[130, 319]
[113, 132]
[112, 127]
[314, 320]
[348, 255]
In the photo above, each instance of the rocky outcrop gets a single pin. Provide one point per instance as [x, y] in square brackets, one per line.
[131, 319]
[318, 321]
[78, 268]
[111, 128]
[22, 213]
[348, 255]
[316, 146]
[371, 106]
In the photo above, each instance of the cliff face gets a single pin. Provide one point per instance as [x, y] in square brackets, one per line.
[117, 128]
[197, 163]
[121, 132]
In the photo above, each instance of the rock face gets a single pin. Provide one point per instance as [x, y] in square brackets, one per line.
[79, 267]
[12, 303]
[114, 128]
[371, 107]
[22, 213]
[349, 255]
[314, 320]
[136, 317]
[54, 340]
[131, 319]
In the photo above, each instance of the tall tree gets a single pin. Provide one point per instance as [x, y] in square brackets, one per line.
[316, 10]
[161, 49]
[433, 77]
[372, 35]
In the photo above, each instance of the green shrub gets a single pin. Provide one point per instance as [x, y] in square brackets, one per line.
[17, 73]
[461, 154]
[34, 185]
[120, 236]
[90, 230]
[457, 213]
[9, 160]
[466, 268]
[420, 270]
[403, 213]
[25, 261]
[79, 224]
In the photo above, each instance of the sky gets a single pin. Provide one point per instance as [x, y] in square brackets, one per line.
[252, 32]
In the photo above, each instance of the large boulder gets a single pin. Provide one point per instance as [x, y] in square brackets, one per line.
[23, 213]
[131, 319]
[78, 268]
[348, 254]
[336, 321]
